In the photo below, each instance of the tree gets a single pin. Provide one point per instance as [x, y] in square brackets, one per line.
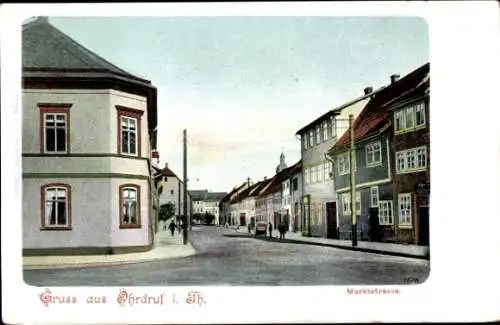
[167, 211]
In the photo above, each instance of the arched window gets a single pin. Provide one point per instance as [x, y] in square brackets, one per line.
[56, 206]
[130, 206]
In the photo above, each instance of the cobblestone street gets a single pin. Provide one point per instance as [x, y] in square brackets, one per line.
[222, 260]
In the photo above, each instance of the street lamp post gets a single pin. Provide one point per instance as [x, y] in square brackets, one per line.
[184, 208]
[352, 178]
[352, 162]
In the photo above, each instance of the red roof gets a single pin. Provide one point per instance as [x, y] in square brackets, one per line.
[363, 125]
[375, 113]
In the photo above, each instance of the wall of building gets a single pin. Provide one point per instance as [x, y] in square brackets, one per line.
[363, 173]
[323, 191]
[363, 222]
[95, 215]
[92, 168]
[407, 182]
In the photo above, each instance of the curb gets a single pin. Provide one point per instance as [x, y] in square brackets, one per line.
[105, 264]
[359, 249]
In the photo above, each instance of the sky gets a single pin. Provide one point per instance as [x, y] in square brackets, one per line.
[243, 86]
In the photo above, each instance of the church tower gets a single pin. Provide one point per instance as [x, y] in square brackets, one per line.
[282, 164]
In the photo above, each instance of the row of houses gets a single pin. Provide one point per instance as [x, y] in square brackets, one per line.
[272, 199]
[391, 168]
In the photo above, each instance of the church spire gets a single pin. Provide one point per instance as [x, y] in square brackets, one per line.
[282, 164]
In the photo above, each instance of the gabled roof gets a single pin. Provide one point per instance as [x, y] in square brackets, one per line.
[215, 196]
[197, 195]
[227, 197]
[337, 110]
[375, 115]
[277, 180]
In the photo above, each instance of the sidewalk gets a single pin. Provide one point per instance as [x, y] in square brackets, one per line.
[166, 247]
[413, 251]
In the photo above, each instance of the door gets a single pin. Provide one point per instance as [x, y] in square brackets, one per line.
[296, 217]
[423, 228]
[331, 220]
[374, 230]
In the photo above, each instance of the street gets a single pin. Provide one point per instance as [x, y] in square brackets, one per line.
[223, 260]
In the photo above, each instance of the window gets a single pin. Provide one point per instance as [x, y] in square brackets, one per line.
[307, 179]
[333, 128]
[304, 140]
[343, 163]
[54, 128]
[311, 139]
[56, 209]
[326, 170]
[295, 184]
[411, 160]
[320, 214]
[419, 115]
[325, 131]
[313, 174]
[399, 121]
[129, 131]
[319, 173]
[318, 135]
[410, 118]
[346, 203]
[171, 192]
[374, 196]
[130, 206]
[404, 204]
[385, 216]
[373, 154]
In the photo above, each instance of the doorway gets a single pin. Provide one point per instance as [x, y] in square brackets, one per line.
[423, 225]
[331, 220]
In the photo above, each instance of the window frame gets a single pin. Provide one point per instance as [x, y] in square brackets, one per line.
[131, 113]
[411, 109]
[44, 225]
[333, 128]
[318, 135]
[370, 150]
[372, 193]
[343, 161]
[407, 223]
[311, 139]
[346, 203]
[404, 157]
[137, 189]
[307, 176]
[386, 206]
[304, 142]
[319, 173]
[56, 109]
[325, 131]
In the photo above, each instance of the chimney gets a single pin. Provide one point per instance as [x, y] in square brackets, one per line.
[394, 78]
[265, 178]
[368, 90]
[166, 165]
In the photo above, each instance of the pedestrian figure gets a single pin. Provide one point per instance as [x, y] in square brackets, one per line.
[172, 227]
[270, 227]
